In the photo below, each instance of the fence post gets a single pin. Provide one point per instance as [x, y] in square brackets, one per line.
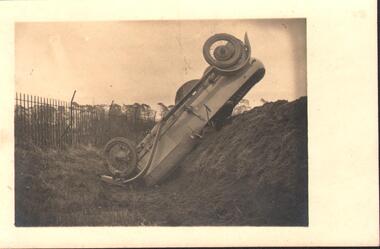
[28, 117]
[59, 120]
[71, 117]
[67, 139]
[109, 135]
[16, 121]
[44, 123]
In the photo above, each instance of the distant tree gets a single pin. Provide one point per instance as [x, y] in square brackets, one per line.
[138, 112]
[128, 110]
[137, 108]
[163, 109]
[241, 107]
[146, 112]
[115, 110]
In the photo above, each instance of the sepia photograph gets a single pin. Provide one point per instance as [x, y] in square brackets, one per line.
[185, 123]
[161, 123]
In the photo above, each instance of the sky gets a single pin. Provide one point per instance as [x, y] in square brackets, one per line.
[147, 61]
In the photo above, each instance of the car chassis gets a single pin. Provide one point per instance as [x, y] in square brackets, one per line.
[207, 102]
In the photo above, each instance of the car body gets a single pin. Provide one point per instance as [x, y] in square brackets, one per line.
[200, 103]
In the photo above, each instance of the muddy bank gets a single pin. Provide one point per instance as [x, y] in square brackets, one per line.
[251, 172]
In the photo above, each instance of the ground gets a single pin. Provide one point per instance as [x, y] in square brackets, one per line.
[253, 172]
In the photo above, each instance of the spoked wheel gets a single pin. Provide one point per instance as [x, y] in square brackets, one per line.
[226, 53]
[121, 157]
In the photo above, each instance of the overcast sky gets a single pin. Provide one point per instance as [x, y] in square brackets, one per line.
[146, 61]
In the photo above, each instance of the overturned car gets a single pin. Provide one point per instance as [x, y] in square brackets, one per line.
[207, 101]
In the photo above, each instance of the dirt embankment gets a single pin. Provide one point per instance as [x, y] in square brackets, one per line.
[251, 172]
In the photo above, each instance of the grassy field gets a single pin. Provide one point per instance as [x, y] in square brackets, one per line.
[252, 172]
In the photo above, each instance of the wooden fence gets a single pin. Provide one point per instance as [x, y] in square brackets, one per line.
[54, 123]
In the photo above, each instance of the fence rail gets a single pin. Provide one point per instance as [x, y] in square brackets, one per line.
[54, 123]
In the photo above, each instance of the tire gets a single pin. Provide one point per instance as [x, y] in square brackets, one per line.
[184, 90]
[115, 163]
[227, 62]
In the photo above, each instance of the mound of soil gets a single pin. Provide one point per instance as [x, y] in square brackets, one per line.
[251, 172]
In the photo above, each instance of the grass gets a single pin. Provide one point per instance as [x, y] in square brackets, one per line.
[58, 188]
[252, 172]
